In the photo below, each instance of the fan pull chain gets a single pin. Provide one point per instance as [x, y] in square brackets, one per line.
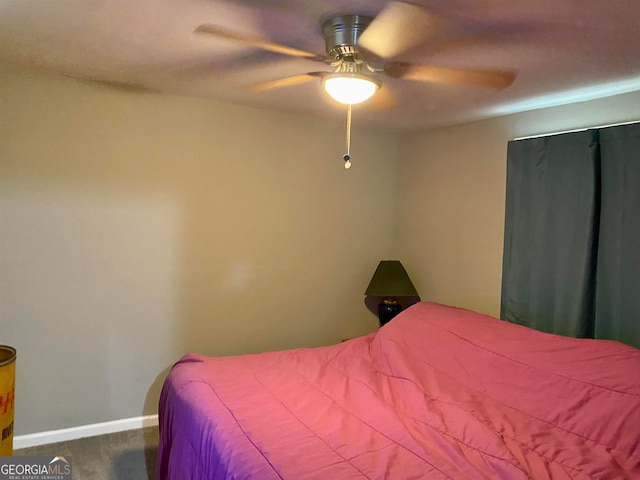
[347, 157]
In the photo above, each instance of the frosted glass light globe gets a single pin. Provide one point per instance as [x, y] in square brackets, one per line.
[349, 89]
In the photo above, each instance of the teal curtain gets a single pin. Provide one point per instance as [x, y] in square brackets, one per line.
[617, 312]
[571, 261]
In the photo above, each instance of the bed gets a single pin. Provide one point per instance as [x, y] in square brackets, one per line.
[439, 392]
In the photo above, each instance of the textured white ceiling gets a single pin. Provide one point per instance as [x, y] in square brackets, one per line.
[561, 50]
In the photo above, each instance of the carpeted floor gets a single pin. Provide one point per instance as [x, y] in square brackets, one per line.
[129, 455]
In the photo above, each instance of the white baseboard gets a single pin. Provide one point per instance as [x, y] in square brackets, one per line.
[53, 436]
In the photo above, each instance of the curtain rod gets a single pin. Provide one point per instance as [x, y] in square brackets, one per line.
[576, 130]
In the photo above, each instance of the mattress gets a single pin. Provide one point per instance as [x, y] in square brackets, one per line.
[439, 392]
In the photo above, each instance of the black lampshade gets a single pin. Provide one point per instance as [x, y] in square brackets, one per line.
[391, 280]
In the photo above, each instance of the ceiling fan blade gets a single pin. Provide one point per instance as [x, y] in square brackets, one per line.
[286, 81]
[397, 28]
[123, 86]
[459, 76]
[257, 42]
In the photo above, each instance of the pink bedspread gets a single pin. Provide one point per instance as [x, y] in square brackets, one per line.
[438, 392]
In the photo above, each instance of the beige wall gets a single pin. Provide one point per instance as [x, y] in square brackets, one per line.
[452, 192]
[135, 228]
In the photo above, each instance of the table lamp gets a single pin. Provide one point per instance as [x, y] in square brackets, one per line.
[390, 281]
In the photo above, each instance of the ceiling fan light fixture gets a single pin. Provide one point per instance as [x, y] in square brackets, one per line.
[349, 88]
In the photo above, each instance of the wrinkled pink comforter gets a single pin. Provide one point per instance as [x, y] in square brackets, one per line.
[439, 392]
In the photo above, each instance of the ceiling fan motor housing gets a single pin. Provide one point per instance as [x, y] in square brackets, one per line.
[341, 34]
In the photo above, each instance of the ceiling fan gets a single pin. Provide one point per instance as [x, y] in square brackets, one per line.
[362, 50]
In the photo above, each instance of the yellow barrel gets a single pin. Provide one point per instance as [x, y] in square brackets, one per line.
[7, 394]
